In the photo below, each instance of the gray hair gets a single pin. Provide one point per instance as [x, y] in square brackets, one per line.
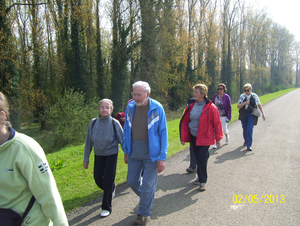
[108, 100]
[143, 84]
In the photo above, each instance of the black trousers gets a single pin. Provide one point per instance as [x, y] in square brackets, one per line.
[202, 155]
[104, 175]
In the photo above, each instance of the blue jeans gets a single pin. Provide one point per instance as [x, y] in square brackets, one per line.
[143, 185]
[247, 125]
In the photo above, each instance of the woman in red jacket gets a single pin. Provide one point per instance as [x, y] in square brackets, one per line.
[201, 126]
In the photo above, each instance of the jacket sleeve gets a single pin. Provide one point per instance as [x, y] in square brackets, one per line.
[183, 127]
[124, 146]
[217, 124]
[229, 107]
[88, 143]
[41, 183]
[163, 134]
[119, 132]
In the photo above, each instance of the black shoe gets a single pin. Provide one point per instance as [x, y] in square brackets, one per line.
[191, 169]
[249, 148]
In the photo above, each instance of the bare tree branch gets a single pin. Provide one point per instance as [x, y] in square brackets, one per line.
[9, 8]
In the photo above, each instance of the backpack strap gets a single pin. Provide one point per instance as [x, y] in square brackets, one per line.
[114, 126]
[30, 204]
[94, 121]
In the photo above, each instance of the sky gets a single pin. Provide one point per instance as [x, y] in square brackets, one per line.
[283, 12]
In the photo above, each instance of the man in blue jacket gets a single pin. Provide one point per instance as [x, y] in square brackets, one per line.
[145, 146]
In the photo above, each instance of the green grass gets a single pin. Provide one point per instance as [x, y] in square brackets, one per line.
[76, 184]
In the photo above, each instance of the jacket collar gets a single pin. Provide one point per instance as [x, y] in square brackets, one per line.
[192, 100]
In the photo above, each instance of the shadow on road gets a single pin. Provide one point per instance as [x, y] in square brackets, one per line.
[232, 155]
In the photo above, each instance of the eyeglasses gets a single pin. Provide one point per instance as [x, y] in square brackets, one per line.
[220, 88]
[137, 94]
[105, 107]
[246, 90]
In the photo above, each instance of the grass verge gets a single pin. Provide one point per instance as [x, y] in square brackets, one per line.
[76, 185]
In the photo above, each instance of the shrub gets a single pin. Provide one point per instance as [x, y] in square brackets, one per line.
[69, 117]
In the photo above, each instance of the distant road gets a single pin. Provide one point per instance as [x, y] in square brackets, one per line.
[237, 180]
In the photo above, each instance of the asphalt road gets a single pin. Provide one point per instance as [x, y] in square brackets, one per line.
[261, 187]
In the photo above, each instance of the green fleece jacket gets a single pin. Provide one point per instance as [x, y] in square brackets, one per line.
[24, 171]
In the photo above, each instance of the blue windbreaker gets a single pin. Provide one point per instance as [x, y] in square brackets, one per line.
[157, 130]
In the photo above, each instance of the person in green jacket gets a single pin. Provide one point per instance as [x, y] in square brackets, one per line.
[24, 173]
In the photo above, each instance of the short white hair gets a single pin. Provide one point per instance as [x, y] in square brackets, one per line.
[143, 84]
[107, 100]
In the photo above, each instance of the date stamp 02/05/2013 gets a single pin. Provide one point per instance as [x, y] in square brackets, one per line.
[258, 199]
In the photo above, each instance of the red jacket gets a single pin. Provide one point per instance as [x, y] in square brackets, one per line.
[210, 126]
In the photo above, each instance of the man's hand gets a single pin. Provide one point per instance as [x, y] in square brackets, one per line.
[218, 143]
[86, 165]
[125, 158]
[161, 166]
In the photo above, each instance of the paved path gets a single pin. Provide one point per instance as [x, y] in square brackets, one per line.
[272, 169]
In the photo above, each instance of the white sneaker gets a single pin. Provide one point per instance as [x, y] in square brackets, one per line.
[104, 213]
[215, 146]
[227, 140]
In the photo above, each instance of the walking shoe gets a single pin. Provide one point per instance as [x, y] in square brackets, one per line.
[104, 213]
[249, 148]
[141, 220]
[202, 187]
[191, 169]
[215, 146]
[197, 182]
[227, 140]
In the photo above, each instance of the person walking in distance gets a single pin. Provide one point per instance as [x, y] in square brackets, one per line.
[145, 147]
[247, 102]
[223, 102]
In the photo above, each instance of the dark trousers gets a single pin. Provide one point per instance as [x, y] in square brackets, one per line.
[193, 162]
[104, 175]
[202, 155]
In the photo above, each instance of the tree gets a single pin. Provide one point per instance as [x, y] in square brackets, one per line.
[148, 58]
[8, 73]
[78, 65]
[211, 51]
[99, 58]
[121, 54]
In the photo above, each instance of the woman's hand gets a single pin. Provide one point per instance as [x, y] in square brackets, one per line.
[183, 143]
[86, 165]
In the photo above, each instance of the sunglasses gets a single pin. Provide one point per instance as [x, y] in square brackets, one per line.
[220, 89]
[246, 90]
